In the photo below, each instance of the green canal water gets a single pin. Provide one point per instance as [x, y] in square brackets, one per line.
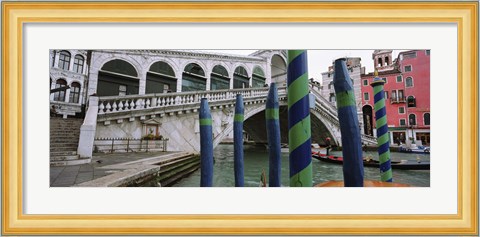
[256, 160]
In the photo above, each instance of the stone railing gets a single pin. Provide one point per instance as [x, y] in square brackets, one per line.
[119, 104]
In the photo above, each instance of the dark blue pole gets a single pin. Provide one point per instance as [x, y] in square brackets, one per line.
[273, 134]
[348, 118]
[238, 141]
[206, 145]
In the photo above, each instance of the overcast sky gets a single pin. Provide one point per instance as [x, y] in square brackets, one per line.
[319, 60]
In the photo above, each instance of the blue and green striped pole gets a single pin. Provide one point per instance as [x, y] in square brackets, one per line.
[238, 141]
[348, 118]
[383, 139]
[299, 128]
[273, 135]
[206, 145]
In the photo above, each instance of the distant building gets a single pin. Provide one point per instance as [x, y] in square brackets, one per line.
[407, 95]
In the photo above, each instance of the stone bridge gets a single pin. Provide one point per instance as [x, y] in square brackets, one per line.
[175, 116]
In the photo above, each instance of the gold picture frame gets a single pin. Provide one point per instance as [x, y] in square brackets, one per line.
[16, 14]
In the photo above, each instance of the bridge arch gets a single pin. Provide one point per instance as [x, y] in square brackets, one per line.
[219, 78]
[118, 77]
[279, 69]
[241, 77]
[194, 78]
[161, 78]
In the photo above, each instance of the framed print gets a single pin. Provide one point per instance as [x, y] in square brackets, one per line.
[447, 32]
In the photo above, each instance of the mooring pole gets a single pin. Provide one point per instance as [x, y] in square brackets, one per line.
[238, 141]
[273, 134]
[348, 118]
[383, 138]
[299, 128]
[206, 144]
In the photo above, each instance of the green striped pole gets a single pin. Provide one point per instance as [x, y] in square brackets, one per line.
[299, 128]
[383, 138]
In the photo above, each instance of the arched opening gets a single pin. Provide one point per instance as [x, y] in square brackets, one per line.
[426, 118]
[117, 77]
[279, 70]
[411, 101]
[193, 78]
[380, 63]
[368, 120]
[219, 79]
[387, 61]
[74, 93]
[160, 79]
[60, 95]
[64, 60]
[412, 119]
[78, 63]
[258, 77]
[240, 78]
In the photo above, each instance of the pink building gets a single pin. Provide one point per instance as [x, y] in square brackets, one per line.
[407, 94]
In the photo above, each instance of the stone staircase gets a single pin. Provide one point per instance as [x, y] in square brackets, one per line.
[64, 136]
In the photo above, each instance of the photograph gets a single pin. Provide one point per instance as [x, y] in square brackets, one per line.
[133, 118]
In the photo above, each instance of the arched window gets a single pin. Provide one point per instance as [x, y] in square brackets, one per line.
[409, 82]
[64, 60]
[258, 77]
[240, 78]
[117, 77]
[193, 78]
[386, 61]
[161, 79]
[53, 58]
[380, 63]
[426, 118]
[74, 92]
[412, 119]
[120, 67]
[78, 63]
[60, 95]
[411, 102]
[330, 85]
[219, 78]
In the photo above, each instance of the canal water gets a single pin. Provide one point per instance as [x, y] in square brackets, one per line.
[256, 160]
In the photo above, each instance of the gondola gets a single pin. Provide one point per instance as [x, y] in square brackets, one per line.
[399, 165]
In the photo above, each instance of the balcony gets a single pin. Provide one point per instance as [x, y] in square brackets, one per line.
[396, 100]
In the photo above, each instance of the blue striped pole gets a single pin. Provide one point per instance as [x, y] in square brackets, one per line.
[238, 141]
[348, 118]
[206, 145]
[299, 128]
[273, 135]
[383, 139]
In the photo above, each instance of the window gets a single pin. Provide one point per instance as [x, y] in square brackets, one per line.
[365, 82]
[330, 85]
[426, 118]
[64, 60]
[402, 122]
[408, 68]
[386, 61]
[401, 110]
[74, 92]
[53, 57]
[427, 52]
[408, 82]
[411, 102]
[386, 94]
[122, 90]
[399, 78]
[60, 95]
[332, 98]
[412, 119]
[78, 64]
[366, 96]
[385, 80]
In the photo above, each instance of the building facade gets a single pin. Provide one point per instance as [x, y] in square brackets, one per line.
[407, 95]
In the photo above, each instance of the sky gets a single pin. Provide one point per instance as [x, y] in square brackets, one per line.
[320, 60]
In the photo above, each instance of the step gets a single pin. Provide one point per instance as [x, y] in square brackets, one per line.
[57, 144]
[78, 161]
[179, 175]
[62, 153]
[63, 158]
[63, 149]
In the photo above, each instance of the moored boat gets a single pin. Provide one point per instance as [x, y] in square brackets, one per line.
[368, 162]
